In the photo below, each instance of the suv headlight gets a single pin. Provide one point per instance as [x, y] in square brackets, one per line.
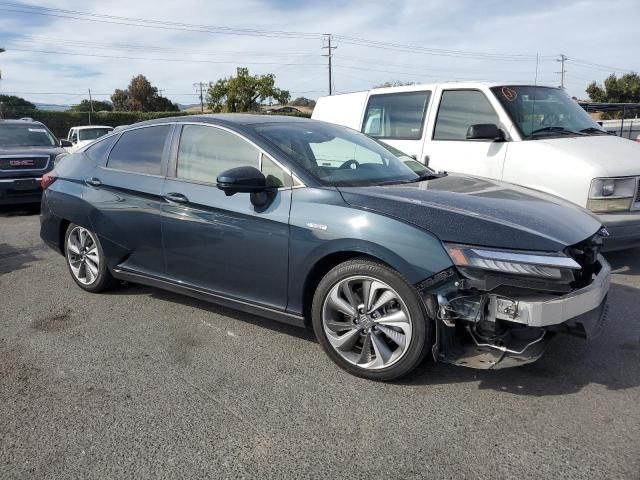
[611, 194]
[533, 264]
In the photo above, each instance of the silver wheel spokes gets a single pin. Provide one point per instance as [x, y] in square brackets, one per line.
[366, 322]
[82, 255]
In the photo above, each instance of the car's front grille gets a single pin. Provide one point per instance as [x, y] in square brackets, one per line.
[9, 163]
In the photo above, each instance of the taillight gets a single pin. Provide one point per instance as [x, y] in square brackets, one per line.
[48, 179]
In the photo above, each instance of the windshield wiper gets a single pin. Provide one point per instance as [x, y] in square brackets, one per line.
[593, 130]
[556, 129]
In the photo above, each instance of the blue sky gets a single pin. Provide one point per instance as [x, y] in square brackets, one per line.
[48, 58]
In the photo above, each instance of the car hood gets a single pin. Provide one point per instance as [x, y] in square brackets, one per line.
[480, 211]
[51, 151]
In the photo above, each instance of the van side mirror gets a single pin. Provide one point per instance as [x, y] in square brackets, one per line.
[65, 143]
[485, 131]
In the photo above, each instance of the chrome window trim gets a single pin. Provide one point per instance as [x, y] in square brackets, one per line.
[24, 156]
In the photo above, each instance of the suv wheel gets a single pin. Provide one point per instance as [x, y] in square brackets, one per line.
[86, 260]
[370, 321]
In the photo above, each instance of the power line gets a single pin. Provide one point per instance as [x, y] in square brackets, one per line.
[181, 60]
[563, 58]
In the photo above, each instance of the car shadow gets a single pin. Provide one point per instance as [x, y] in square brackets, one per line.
[626, 262]
[262, 322]
[12, 258]
[19, 210]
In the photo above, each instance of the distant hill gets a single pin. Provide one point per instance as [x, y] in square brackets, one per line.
[52, 107]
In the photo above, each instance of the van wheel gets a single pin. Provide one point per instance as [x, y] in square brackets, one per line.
[86, 260]
[370, 320]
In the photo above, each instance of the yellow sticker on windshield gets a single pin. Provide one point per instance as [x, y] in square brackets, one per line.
[509, 93]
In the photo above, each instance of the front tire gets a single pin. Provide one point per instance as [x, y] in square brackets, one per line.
[370, 320]
[85, 259]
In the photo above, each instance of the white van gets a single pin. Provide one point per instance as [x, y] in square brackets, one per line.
[530, 135]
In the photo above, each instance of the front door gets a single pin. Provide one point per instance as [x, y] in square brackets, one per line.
[448, 149]
[223, 243]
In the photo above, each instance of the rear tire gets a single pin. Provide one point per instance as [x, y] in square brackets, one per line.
[85, 260]
[370, 320]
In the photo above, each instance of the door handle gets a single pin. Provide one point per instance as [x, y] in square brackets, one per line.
[176, 197]
[93, 182]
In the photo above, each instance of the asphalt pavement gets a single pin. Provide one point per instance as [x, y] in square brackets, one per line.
[142, 383]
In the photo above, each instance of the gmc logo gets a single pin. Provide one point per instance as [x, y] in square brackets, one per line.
[21, 163]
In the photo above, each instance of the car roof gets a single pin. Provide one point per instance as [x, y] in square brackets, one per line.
[444, 85]
[20, 122]
[89, 127]
[239, 119]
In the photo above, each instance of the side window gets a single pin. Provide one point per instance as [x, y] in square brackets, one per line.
[338, 151]
[206, 152]
[99, 150]
[140, 150]
[459, 109]
[276, 177]
[396, 115]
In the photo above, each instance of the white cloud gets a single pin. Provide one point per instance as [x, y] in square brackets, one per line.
[580, 29]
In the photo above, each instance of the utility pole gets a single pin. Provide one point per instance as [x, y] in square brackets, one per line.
[90, 106]
[563, 58]
[329, 54]
[200, 86]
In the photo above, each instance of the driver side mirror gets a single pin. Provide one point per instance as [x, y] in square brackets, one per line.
[485, 131]
[246, 180]
[64, 143]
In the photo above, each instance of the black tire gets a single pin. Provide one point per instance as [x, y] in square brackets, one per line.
[421, 325]
[103, 280]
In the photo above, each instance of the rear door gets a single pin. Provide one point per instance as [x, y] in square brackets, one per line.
[398, 119]
[223, 243]
[448, 148]
[125, 195]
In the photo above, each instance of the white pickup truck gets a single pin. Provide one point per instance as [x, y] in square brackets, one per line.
[529, 135]
[81, 136]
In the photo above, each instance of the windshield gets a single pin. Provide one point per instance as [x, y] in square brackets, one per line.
[93, 133]
[338, 156]
[29, 135]
[545, 111]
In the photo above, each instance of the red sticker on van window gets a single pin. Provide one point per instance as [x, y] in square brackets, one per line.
[509, 93]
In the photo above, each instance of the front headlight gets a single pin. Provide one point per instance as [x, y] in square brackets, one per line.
[536, 264]
[611, 194]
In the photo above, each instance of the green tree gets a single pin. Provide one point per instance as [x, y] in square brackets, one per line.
[303, 102]
[141, 96]
[98, 106]
[12, 105]
[244, 92]
[625, 89]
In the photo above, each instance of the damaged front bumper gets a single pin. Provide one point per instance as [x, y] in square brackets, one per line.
[511, 327]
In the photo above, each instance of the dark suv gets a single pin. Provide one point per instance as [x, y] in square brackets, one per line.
[28, 150]
[316, 224]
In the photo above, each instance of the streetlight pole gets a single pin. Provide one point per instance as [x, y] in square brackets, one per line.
[1, 114]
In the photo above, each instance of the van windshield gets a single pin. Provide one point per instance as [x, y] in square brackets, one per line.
[541, 112]
[338, 156]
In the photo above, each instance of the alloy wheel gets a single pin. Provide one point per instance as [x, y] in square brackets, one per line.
[366, 322]
[83, 255]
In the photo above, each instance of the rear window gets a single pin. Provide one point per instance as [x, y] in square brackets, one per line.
[140, 150]
[396, 115]
[92, 133]
[99, 150]
[28, 135]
